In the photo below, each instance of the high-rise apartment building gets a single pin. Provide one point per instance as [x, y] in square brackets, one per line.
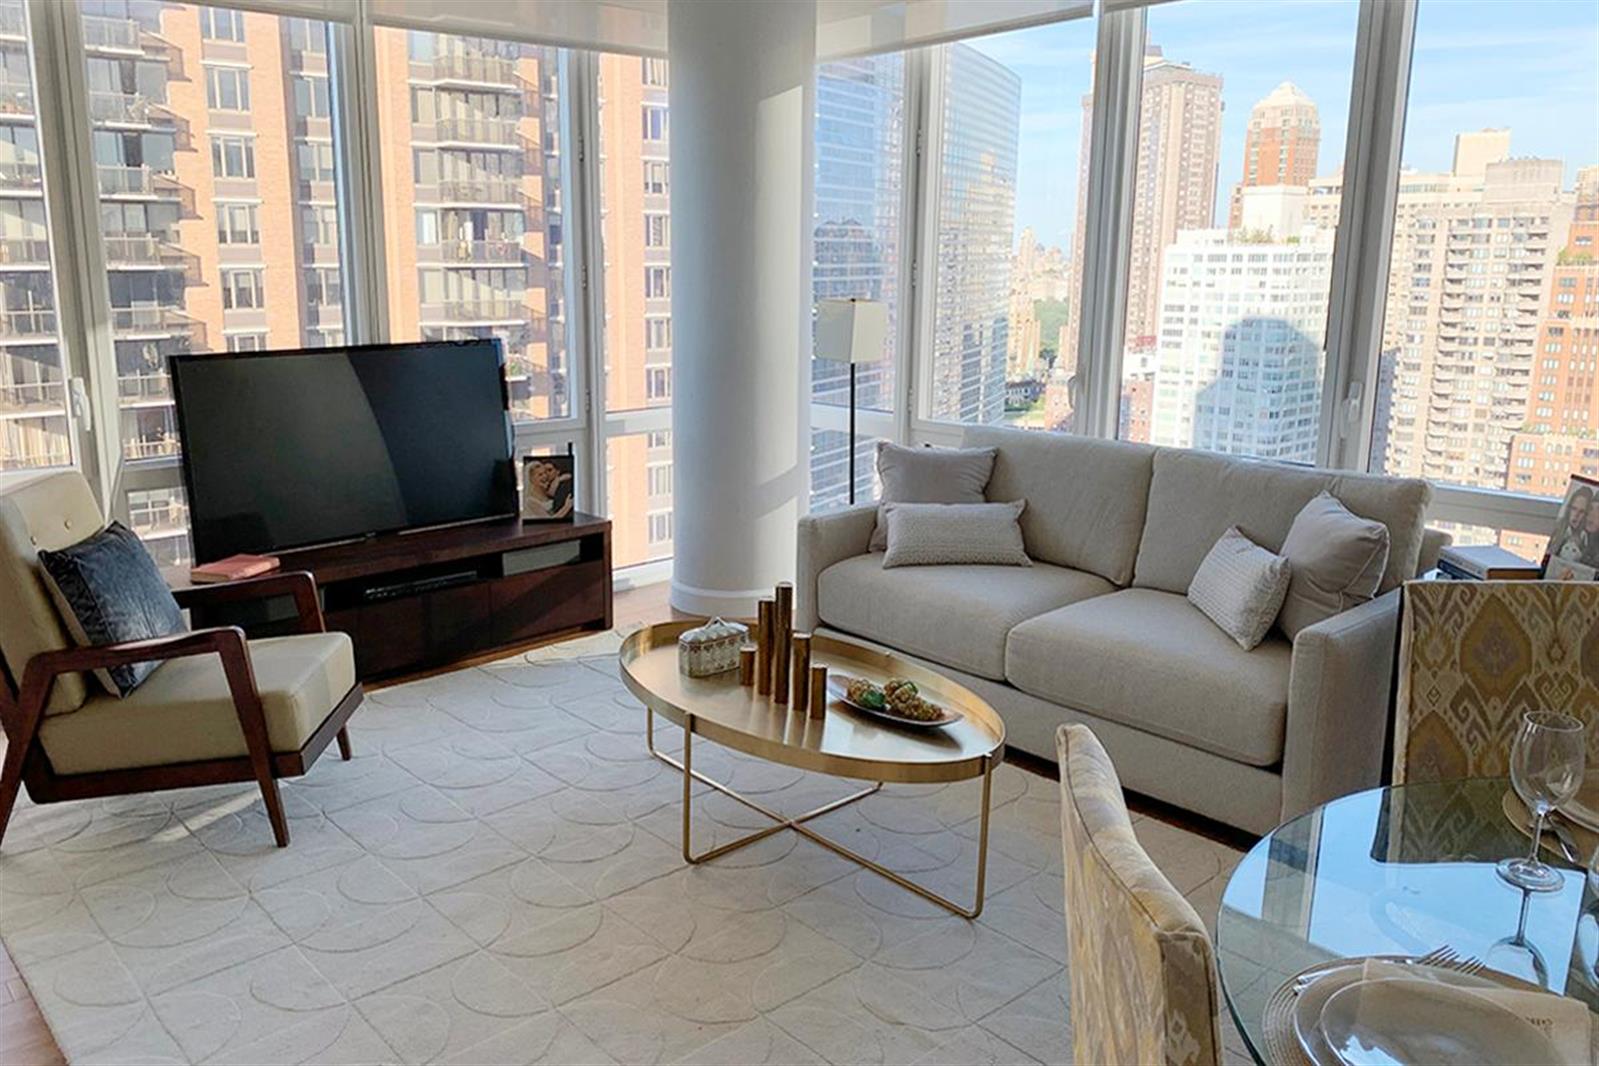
[1238, 364]
[1174, 185]
[1472, 260]
[976, 218]
[635, 195]
[1280, 145]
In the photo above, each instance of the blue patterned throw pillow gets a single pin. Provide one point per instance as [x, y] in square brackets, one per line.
[109, 590]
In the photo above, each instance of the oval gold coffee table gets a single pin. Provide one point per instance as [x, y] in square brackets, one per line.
[842, 742]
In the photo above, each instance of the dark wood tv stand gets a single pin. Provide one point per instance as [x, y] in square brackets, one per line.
[415, 601]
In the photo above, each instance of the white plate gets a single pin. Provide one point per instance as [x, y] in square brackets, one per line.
[838, 688]
[1404, 1020]
[1583, 808]
[1335, 977]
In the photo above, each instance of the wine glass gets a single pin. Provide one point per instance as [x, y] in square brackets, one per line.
[1546, 764]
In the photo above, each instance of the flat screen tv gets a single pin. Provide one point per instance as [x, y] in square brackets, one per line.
[293, 448]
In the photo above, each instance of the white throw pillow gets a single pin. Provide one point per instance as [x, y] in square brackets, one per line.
[1338, 559]
[1240, 586]
[931, 534]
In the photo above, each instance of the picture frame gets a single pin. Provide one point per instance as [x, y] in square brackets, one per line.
[1573, 551]
[547, 483]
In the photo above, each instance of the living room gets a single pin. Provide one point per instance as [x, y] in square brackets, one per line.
[790, 531]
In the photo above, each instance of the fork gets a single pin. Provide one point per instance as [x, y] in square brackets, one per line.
[1442, 958]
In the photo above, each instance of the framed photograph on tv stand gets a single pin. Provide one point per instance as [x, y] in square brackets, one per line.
[547, 482]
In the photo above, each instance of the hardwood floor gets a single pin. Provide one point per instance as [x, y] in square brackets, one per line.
[25, 1039]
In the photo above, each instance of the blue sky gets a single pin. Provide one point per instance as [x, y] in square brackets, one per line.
[1532, 65]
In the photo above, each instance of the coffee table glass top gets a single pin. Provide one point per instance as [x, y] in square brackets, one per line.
[1396, 871]
[843, 742]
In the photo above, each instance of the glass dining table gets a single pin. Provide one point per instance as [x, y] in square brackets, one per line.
[1397, 871]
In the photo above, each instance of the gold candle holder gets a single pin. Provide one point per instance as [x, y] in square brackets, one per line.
[765, 643]
[784, 622]
[746, 664]
[818, 698]
[802, 672]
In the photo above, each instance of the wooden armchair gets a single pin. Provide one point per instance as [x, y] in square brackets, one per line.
[219, 708]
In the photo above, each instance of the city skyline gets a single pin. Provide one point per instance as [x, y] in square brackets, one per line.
[1531, 45]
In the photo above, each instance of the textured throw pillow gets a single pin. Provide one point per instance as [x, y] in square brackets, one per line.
[929, 475]
[109, 590]
[930, 534]
[1337, 560]
[1240, 586]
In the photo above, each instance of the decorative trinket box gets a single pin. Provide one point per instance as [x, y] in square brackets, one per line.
[711, 648]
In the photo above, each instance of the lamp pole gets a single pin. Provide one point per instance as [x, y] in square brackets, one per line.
[852, 434]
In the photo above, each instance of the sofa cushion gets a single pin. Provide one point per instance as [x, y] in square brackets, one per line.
[954, 615]
[1195, 496]
[937, 534]
[184, 710]
[1153, 661]
[1085, 497]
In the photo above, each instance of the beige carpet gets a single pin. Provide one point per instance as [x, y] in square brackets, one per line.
[496, 878]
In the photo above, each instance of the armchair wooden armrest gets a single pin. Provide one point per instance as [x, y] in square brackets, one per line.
[296, 583]
[227, 642]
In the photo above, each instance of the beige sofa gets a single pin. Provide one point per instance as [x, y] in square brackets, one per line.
[1099, 629]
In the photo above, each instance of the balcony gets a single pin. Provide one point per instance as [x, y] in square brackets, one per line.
[125, 109]
[154, 447]
[478, 312]
[478, 191]
[33, 323]
[500, 250]
[147, 251]
[498, 132]
[13, 22]
[154, 387]
[15, 175]
[16, 96]
[106, 34]
[24, 252]
[154, 320]
[40, 397]
[477, 69]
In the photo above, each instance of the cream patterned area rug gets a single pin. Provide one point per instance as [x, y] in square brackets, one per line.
[496, 878]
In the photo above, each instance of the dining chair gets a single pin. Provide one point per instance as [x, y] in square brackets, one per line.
[1143, 971]
[219, 708]
[1474, 656]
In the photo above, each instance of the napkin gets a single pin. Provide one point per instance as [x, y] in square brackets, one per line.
[1565, 1021]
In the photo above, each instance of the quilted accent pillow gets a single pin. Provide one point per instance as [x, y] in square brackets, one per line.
[933, 534]
[109, 590]
[929, 475]
[1240, 586]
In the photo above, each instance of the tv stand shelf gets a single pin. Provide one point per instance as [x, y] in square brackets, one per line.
[415, 601]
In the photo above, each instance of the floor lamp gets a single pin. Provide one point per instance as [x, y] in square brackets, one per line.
[854, 332]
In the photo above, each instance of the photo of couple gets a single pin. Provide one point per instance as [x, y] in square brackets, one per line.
[1573, 553]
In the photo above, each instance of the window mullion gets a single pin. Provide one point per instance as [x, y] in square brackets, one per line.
[353, 80]
[585, 328]
[83, 303]
[1107, 237]
[915, 269]
[930, 146]
[1359, 289]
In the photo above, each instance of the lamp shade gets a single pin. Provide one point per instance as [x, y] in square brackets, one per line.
[851, 331]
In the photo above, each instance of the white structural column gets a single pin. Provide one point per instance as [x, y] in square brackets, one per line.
[742, 102]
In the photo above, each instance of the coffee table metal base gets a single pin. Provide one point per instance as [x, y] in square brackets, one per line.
[796, 822]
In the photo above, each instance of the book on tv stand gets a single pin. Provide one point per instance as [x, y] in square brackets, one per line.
[426, 599]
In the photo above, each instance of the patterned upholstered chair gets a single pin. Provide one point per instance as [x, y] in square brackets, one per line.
[218, 708]
[1143, 972]
[1474, 656]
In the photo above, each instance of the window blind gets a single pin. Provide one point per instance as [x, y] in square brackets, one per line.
[331, 10]
[635, 26]
[866, 27]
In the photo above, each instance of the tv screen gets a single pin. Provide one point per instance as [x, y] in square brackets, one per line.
[286, 449]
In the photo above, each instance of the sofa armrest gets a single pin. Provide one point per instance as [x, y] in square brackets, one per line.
[825, 539]
[1340, 686]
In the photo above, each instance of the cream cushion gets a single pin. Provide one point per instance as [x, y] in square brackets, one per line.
[1195, 496]
[184, 712]
[937, 534]
[1153, 661]
[1240, 586]
[1085, 497]
[1143, 970]
[52, 512]
[954, 615]
[1337, 560]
